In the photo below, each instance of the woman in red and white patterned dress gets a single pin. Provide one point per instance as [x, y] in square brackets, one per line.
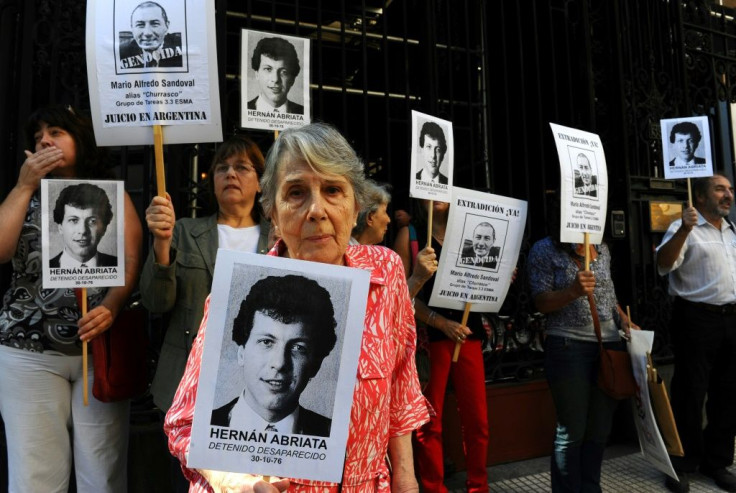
[312, 191]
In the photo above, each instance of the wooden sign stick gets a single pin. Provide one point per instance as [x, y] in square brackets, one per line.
[85, 378]
[429, 224]
[586, 245]
[158, 151]
[689, 194]
[466, 313]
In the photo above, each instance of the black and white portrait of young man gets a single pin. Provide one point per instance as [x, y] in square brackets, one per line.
[82, 233]
[284, 329]
[274, 80]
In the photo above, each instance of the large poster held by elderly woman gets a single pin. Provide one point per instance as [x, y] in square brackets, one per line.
[278, 367]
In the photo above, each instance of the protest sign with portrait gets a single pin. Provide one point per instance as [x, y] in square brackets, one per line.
[583, 184]
[278, 367]
[153, 63]
[82, 224]
[482, 242]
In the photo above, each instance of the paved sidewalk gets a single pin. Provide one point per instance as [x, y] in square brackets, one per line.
[624, 471]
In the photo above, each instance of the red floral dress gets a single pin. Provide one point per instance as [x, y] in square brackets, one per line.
[387, 401]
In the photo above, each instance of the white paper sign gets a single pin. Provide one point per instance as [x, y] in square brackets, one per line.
[432, 157]
[650, 440]
[480, 251]
[153, 65]
[82, 225]
[686, 147]
[267, 355]
[583, 184]
[274, 74]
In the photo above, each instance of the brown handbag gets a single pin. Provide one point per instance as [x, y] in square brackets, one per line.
[119, 356]
[615, 375]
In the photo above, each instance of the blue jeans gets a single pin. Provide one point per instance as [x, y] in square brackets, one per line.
[584, 413]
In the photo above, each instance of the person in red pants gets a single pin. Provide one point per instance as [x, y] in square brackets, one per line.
[443, 331]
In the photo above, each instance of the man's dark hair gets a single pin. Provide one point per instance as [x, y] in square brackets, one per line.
[90, 159]
[150, 4]
[686, 128]
[435, 132]
[290, 299]
[83, 196]
[276, 49]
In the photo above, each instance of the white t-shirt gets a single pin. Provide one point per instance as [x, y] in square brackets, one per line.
[240, 239]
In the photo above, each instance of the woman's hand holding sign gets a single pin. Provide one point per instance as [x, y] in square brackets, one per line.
[95, 322]
[231, 482]
[425, 265]
[584, 283]
[160, 218]
[453, 330]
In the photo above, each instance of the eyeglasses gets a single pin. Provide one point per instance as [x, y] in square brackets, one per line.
[239, 168]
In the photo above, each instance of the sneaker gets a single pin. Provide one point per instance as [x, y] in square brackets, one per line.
[723, 478]
[681, 486]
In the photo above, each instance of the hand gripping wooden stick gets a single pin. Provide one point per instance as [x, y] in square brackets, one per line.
[466, 313]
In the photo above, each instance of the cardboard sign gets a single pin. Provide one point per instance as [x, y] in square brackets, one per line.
[650, 440]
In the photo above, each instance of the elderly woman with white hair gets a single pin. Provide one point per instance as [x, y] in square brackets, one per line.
[373, 220]
[312, 190]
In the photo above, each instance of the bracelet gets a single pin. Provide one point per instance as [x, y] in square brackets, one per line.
[430, 320]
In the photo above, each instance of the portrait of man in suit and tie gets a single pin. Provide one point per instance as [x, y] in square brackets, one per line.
[82, 213]
[479, 250]
[284, 329]
[432, 150]
[276, 65]
[149, 44]
[685, 138]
